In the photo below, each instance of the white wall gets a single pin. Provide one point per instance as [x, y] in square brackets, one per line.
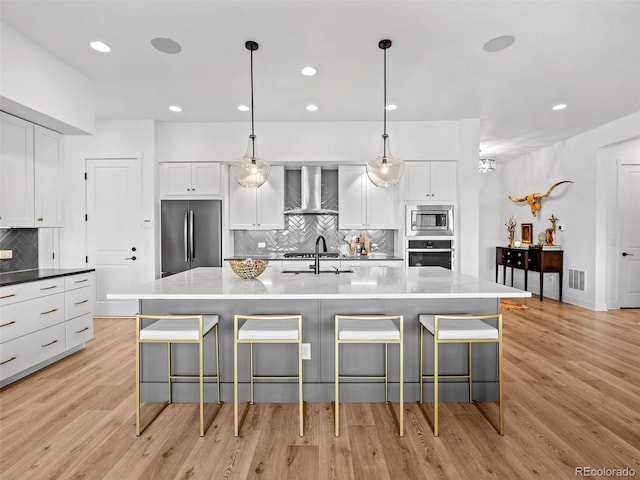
[37, 86]
[115, 139]
[583, 207]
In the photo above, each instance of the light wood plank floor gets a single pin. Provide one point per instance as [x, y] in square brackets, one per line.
[572, 396]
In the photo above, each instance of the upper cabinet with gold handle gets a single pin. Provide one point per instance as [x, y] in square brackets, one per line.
[38, 166]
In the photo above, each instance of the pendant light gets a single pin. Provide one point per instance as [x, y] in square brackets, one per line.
[386, 170]
[250, 171]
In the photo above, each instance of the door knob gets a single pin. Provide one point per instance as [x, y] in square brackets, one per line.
[133, 249]
[625, 254]
[131, 258]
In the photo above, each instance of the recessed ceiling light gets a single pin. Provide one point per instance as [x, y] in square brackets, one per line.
[243, 108]
[499, 43]
[560, 106]
[309, 71]
[100, 46]
[166, 45]
[312, 108]
[175, 108]
[391, 106]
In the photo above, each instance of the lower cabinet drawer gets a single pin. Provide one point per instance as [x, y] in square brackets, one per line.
[22, 318]
[29, 350]
[79, 302]
[79, 330]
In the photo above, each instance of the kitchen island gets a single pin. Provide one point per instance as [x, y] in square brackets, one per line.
[367, 290]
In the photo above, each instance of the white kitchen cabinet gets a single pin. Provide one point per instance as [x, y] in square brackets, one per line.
[16, 172]
[430, 181]
[48, 248]
[190, 180]
[31, 171]
[48, 171]
[361, 204]
[42, 320]
[80, 297]
[258, 208]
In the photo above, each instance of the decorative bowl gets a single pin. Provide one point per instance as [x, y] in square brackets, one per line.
[248, 268]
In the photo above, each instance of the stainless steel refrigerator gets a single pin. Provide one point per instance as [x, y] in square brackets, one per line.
[191, 234]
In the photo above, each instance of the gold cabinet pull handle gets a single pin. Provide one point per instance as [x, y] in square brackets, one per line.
[83, 330]
[83, 280]
[7, 361]
[49, 344]
[49, 288]
[49, 311]
[8, 296]
[7, 324]
[81, 302]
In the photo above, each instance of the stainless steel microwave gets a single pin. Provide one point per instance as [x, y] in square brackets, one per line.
[429, 220]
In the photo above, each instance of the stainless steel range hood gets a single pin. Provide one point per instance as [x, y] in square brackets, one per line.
[310, 198]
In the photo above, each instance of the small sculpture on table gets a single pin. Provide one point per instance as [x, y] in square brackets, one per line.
[550, 231]
[511, 228]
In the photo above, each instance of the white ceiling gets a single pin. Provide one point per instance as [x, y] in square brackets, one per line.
[584, 54]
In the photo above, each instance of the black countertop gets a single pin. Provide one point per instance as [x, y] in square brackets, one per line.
[24, 276]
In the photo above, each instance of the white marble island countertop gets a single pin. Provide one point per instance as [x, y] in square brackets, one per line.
[211, 283]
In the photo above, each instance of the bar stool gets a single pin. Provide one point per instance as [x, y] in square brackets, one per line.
[265, 329]
[467, 329]
[369, 329]
[172, 329]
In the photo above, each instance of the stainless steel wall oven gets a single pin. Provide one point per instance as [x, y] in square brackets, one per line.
[430, 253]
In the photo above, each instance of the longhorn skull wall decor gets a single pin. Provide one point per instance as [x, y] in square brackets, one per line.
[533, 199]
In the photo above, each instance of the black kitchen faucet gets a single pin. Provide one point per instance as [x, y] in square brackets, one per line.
[316, 265]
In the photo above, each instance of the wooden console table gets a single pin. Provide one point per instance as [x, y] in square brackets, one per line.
[530, 259]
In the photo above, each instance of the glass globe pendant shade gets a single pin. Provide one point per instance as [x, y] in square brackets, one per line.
[250, 171]
[386, 170]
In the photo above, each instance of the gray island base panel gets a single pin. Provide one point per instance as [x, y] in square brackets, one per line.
[368, 290]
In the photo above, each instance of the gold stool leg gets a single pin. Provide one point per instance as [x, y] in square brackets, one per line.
[169, 372]
[501, 406]
[421, 360]
[386, 374]
[251, 368]
[401, 377]
[217, 361]
[235, 376]
[435, 386]
[336, 411]
[300, 399]
[470, 375]
[138, 346]
[201, 382]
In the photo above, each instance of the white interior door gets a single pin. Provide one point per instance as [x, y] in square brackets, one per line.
[113, 230]
[629, 227]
